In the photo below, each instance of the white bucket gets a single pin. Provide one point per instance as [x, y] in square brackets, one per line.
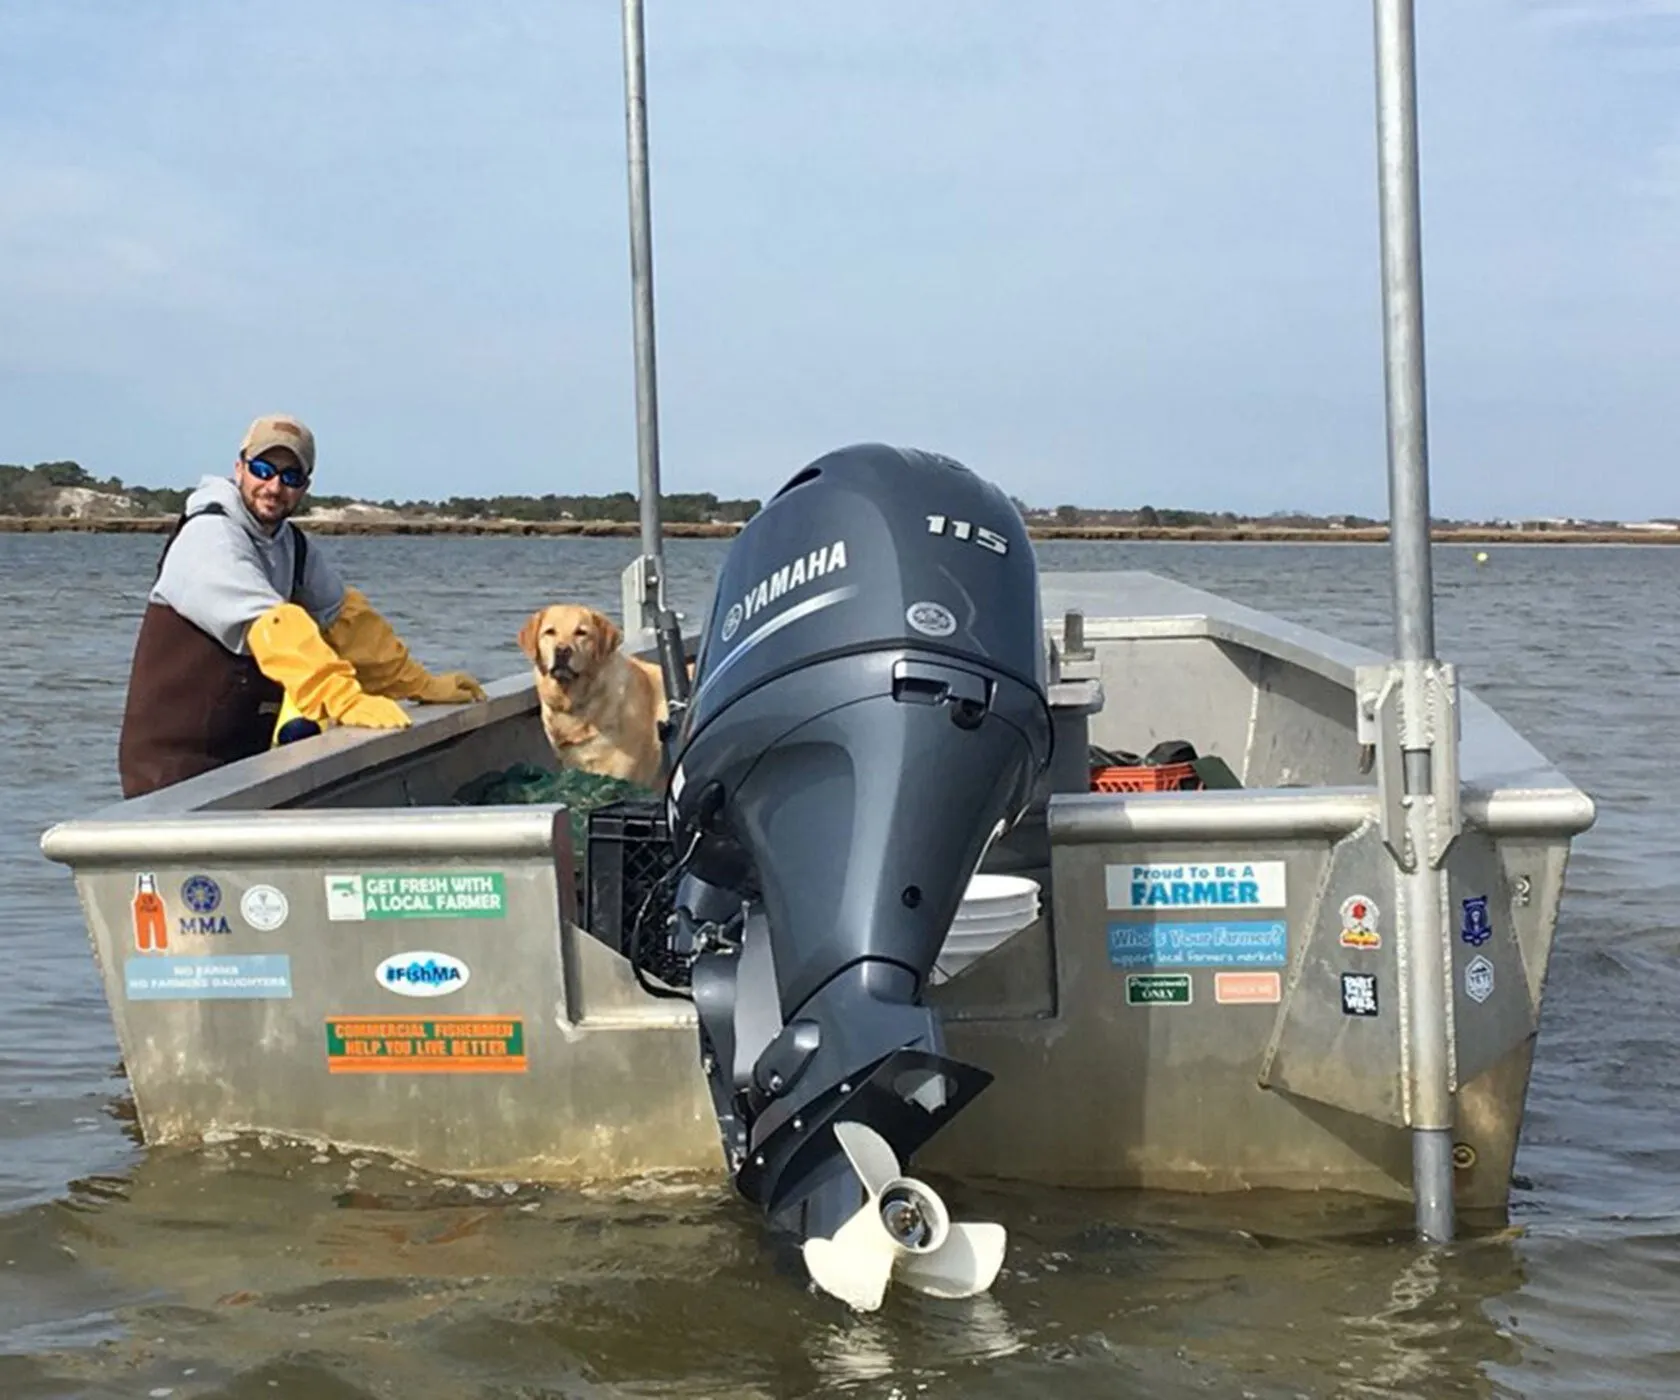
[993, 908]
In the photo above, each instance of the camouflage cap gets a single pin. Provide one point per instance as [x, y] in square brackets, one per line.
[276, 430]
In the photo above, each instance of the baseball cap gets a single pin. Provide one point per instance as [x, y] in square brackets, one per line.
[277, 430]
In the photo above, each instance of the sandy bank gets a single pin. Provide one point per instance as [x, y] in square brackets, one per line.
[159, 525]
[1257, 535]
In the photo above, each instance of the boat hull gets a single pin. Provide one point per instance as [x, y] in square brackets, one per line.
[349, 958]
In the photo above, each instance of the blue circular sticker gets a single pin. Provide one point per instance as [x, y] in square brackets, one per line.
[201, 893]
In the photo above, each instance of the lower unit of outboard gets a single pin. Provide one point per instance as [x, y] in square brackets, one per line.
[868, 715]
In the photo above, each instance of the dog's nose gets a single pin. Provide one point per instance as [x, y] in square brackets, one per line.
[562, 653]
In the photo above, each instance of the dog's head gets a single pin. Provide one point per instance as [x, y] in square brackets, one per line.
[567, 642]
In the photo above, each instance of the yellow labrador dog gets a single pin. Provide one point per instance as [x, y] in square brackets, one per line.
[600, 708]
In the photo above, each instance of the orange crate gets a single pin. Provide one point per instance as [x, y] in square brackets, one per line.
[1166, 777]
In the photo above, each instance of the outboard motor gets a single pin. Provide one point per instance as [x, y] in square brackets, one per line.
[868, 714]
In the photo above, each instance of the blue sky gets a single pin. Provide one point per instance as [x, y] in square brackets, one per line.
[1106, 253]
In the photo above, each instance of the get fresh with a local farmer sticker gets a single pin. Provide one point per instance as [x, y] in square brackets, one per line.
[443, 895]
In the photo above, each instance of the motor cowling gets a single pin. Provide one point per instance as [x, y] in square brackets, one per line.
[869, 547]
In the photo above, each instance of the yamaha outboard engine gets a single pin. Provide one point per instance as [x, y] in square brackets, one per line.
[868, 714]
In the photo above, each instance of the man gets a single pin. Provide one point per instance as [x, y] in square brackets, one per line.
[247, 615]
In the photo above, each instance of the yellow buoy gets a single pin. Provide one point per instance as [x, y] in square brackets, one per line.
[1481, 556]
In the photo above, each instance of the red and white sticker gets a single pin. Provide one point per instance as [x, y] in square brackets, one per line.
[1359, 923]
[1247, 988]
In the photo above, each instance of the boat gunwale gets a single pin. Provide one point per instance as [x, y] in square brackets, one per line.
[1328, 813]
[308, 834]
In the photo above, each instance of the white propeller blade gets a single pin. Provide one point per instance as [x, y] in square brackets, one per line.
[902, 1231]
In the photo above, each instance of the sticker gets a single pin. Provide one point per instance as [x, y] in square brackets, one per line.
[436, 1045]
[264, 907]
[1359, 923]
[451, 895]
[422, 974]
[204, 925]
[1247, 988]
[1260, 944]
[1478, 979]
[151, 919]
[1158, 989]
[201, 894]
[1359, 994]
[243, 977]
[1194, 885]
[732, 621]
[931, 619]
[1476, 928]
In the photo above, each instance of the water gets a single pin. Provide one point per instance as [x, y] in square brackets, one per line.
[246, 1270]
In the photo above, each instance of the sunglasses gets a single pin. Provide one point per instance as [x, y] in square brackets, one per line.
[294, 478]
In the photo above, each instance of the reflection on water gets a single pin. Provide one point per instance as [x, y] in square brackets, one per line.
[251, 1262]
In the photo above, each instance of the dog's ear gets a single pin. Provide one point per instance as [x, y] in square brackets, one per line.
[528, 633]
[609, 632]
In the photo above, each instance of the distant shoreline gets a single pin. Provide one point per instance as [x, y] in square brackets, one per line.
[615, 529]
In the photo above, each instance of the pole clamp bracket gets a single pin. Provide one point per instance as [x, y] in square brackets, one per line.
[1412, 707]
[641, 596]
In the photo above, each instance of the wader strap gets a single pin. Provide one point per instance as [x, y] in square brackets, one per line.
[300, 556]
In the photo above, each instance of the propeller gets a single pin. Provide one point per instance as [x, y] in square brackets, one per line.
[902, 1231]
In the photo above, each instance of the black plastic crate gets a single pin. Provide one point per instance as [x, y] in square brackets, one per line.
[629, 854]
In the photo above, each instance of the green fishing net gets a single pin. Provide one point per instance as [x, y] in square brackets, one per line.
[527, 784]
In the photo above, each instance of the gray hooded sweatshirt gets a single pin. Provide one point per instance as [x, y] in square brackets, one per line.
[225, 571]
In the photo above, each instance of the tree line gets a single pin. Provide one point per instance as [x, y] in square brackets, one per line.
[35, 490]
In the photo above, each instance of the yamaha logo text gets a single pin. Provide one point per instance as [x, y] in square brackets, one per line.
[819, 563]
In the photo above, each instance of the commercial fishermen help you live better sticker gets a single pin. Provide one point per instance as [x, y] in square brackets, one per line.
[426, 1045]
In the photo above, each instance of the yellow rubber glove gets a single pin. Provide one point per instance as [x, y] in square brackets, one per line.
[288, 648]
[383, 664]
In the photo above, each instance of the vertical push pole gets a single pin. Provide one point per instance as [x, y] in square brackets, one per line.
[1402, 286]
[1427, 710]
[644, 592]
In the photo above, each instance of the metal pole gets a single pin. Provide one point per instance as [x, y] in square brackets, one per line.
[1427, 964]
[1402, 281]
[650, 569]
